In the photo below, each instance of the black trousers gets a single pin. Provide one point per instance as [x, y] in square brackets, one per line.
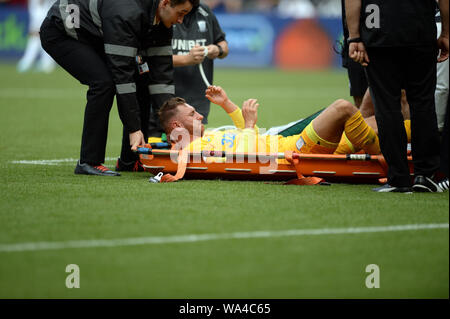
[414, 69]
[149, 118]
[86, 63]
[144, 101]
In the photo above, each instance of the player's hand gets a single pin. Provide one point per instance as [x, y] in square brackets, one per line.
[250, 112]
[197, 54]
[213, 51]
[216, 95]
[357, 52]
[136, 139]
[442, 42]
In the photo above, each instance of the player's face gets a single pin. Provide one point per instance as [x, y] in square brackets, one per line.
[190, 119]
[173, 15]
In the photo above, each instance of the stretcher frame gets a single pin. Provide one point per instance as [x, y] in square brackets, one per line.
[353, 168]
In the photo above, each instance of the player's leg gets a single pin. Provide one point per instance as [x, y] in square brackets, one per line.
[323, 134]
[33, 42]
[31, 52]
[372, 122]
[367, 111]
[405, 106]
[46, 63]
[366, 107]
[346, 147]
[342, 116]
[318, 137]
[330, 124]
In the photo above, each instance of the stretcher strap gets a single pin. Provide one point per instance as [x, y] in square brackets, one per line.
[300, 180]
[181, 170]
[384, 165]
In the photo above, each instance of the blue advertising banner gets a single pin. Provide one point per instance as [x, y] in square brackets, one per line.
[13, 32]
[250, 38]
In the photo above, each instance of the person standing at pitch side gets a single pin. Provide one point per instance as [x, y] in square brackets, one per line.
[396, 41]
[97, 41]
[199, 30]
[199, 33]
[356, 75]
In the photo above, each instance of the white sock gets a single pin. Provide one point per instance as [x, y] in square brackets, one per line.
[30, 54]
[46, 63]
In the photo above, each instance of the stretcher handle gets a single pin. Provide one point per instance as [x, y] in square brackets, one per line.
[346, 157]
[160, 145]
[144, 150]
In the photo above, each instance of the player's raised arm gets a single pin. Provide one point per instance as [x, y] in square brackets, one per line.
[217, 95]
[250, 113]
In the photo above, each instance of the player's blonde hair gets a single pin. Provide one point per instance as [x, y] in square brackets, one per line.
[168, 110]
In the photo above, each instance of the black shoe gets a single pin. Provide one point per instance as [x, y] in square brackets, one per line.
[135, 166]
[87, 169]
[444, 184]
[425, 184]
[386, 188]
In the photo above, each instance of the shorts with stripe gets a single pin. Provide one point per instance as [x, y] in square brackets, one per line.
[307, 142]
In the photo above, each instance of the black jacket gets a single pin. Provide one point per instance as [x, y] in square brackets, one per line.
[398, 23]
[120, 29]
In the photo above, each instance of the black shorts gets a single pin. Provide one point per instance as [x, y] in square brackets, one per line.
[357, 79]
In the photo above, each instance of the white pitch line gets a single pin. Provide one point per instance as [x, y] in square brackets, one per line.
[208, 237]
[42, 93]
[53, 161]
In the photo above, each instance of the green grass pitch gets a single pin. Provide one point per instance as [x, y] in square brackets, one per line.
[41, 119]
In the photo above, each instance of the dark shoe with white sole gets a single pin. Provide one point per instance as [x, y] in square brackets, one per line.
[423, 184]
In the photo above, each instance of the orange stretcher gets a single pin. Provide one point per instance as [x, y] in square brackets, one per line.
[353, 168]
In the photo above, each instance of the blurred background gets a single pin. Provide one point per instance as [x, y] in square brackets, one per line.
[286, 34]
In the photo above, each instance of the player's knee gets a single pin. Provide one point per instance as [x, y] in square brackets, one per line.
[345, 108]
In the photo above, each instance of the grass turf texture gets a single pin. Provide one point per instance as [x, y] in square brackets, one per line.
[42, 118]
